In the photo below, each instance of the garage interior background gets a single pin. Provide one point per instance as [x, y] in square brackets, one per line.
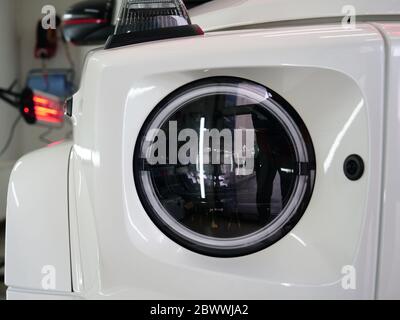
[18, 21]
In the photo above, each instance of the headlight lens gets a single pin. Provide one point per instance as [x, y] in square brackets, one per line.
[225, 167]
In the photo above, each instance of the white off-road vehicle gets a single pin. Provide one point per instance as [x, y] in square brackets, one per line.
[243, 150]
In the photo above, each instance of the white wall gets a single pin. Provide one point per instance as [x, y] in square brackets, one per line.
[28, 15]
[8, 73]
[18, 21]
[29, 12]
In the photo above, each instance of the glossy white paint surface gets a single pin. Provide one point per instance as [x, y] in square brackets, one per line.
[389, 266]
[221, 14]
[23, 294]
[117, 252]
[37, 221]
[5, 171]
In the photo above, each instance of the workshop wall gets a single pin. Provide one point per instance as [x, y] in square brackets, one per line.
[8, 73]
[28, 15]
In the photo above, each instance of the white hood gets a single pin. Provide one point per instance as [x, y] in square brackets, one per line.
[221, 14]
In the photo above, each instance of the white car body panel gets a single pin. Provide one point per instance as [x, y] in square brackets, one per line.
[335, 79]
[31, 295]
[224, 14]
[122, 254]
[37, 238]
[389, 262]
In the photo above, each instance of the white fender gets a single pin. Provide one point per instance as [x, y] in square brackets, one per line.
[37, 244]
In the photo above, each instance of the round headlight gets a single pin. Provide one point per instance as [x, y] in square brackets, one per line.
[225, 167]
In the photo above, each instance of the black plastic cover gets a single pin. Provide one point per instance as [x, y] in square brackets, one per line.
[125, 39]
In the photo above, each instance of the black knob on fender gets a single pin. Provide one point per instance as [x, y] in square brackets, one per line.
[354, 167]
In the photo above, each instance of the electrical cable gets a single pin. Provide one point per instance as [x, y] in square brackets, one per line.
[69, 56]
[2, 263]
[43, 137]
[11, 136]
[50, 128]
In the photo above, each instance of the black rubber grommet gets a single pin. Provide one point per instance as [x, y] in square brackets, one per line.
[354, 167]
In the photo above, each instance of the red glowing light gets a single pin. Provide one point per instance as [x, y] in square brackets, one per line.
[48, 115]
[56, 143]
[85, 21]
[26, 110]
[48, 110]
[40, 100]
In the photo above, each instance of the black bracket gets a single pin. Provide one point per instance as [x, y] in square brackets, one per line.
[22, 101]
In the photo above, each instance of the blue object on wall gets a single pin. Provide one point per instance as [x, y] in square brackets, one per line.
[58, 82]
